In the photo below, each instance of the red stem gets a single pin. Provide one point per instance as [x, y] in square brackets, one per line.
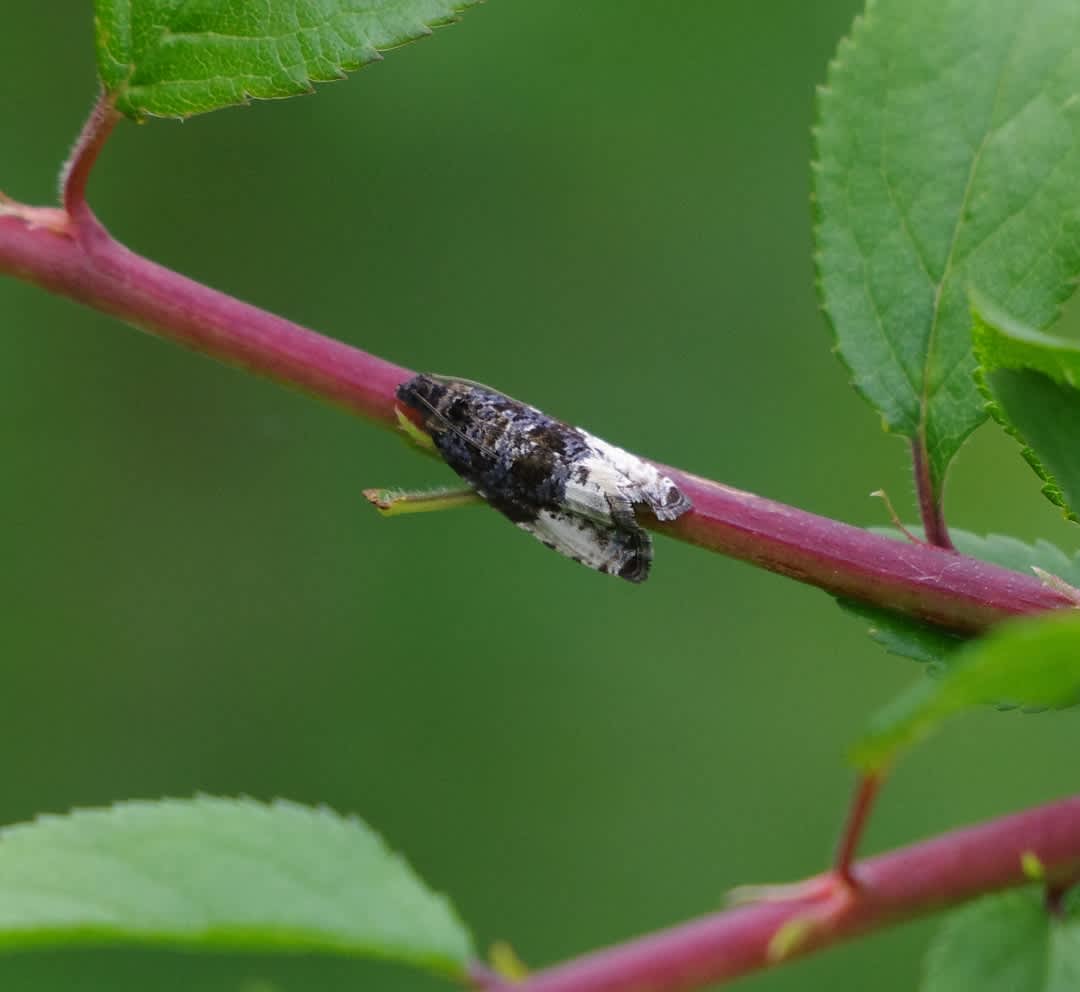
[930, 506]
[114, 280]
[76, 171]
[862, 802]
[903, 884]
[79, 259]
[86, 264]
[940, 587]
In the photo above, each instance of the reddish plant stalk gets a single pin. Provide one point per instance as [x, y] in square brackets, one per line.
[69, 252]
[76, 257]
[76, 171]
[114, 280]
[900, 885]
[85, 264]
[862, 804]
[931, 508]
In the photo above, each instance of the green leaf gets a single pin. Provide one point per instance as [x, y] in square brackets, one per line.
[1005, 943]
[909, 638]
[1033, 663]
[209, 873]
[176, 58]
[1032, 382]
[906, 637]
[948, 157]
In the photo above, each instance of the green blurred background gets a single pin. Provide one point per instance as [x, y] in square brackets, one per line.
[601, 208]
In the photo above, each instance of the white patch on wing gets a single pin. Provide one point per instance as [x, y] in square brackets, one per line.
[590, 486]
[604, 548]
[642, 482]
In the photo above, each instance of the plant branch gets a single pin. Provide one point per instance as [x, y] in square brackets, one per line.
[862, 803]
[76, 171]
[942, 588]
[901, 885]
[109, 278]
[71, 254]
[930, 506]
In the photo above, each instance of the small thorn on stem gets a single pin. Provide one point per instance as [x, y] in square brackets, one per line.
[36, 218]
[505, 962]
[884, 497]
[818, 889]
[791, 937]
[827, 899]
[1032, 866]
[1058, 584]
[395, 502]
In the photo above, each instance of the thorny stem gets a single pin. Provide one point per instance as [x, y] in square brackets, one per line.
[947, 589]
[70, 253]
[959, 593]
[930, 506]
[900, 885]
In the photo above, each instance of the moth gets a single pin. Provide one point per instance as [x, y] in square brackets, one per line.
[572, 491]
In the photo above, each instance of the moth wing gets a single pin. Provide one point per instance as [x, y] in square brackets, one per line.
[620, 551]
[667, 501]
[472, 383]
[642, 482]
[597, 489]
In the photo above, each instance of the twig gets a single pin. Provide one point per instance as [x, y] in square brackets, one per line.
[942, 588]
[862, 803]
[930, 507]
[76, 170]
[84, 263]
[901, 885]
[69, 253]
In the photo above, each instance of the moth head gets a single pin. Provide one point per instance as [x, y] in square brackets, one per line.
[425, 399]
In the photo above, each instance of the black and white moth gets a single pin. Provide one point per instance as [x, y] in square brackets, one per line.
[572, 491]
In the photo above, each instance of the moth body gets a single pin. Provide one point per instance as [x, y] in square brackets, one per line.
[572, 491]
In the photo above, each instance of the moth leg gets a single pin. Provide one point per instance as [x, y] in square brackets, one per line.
[394, 502]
